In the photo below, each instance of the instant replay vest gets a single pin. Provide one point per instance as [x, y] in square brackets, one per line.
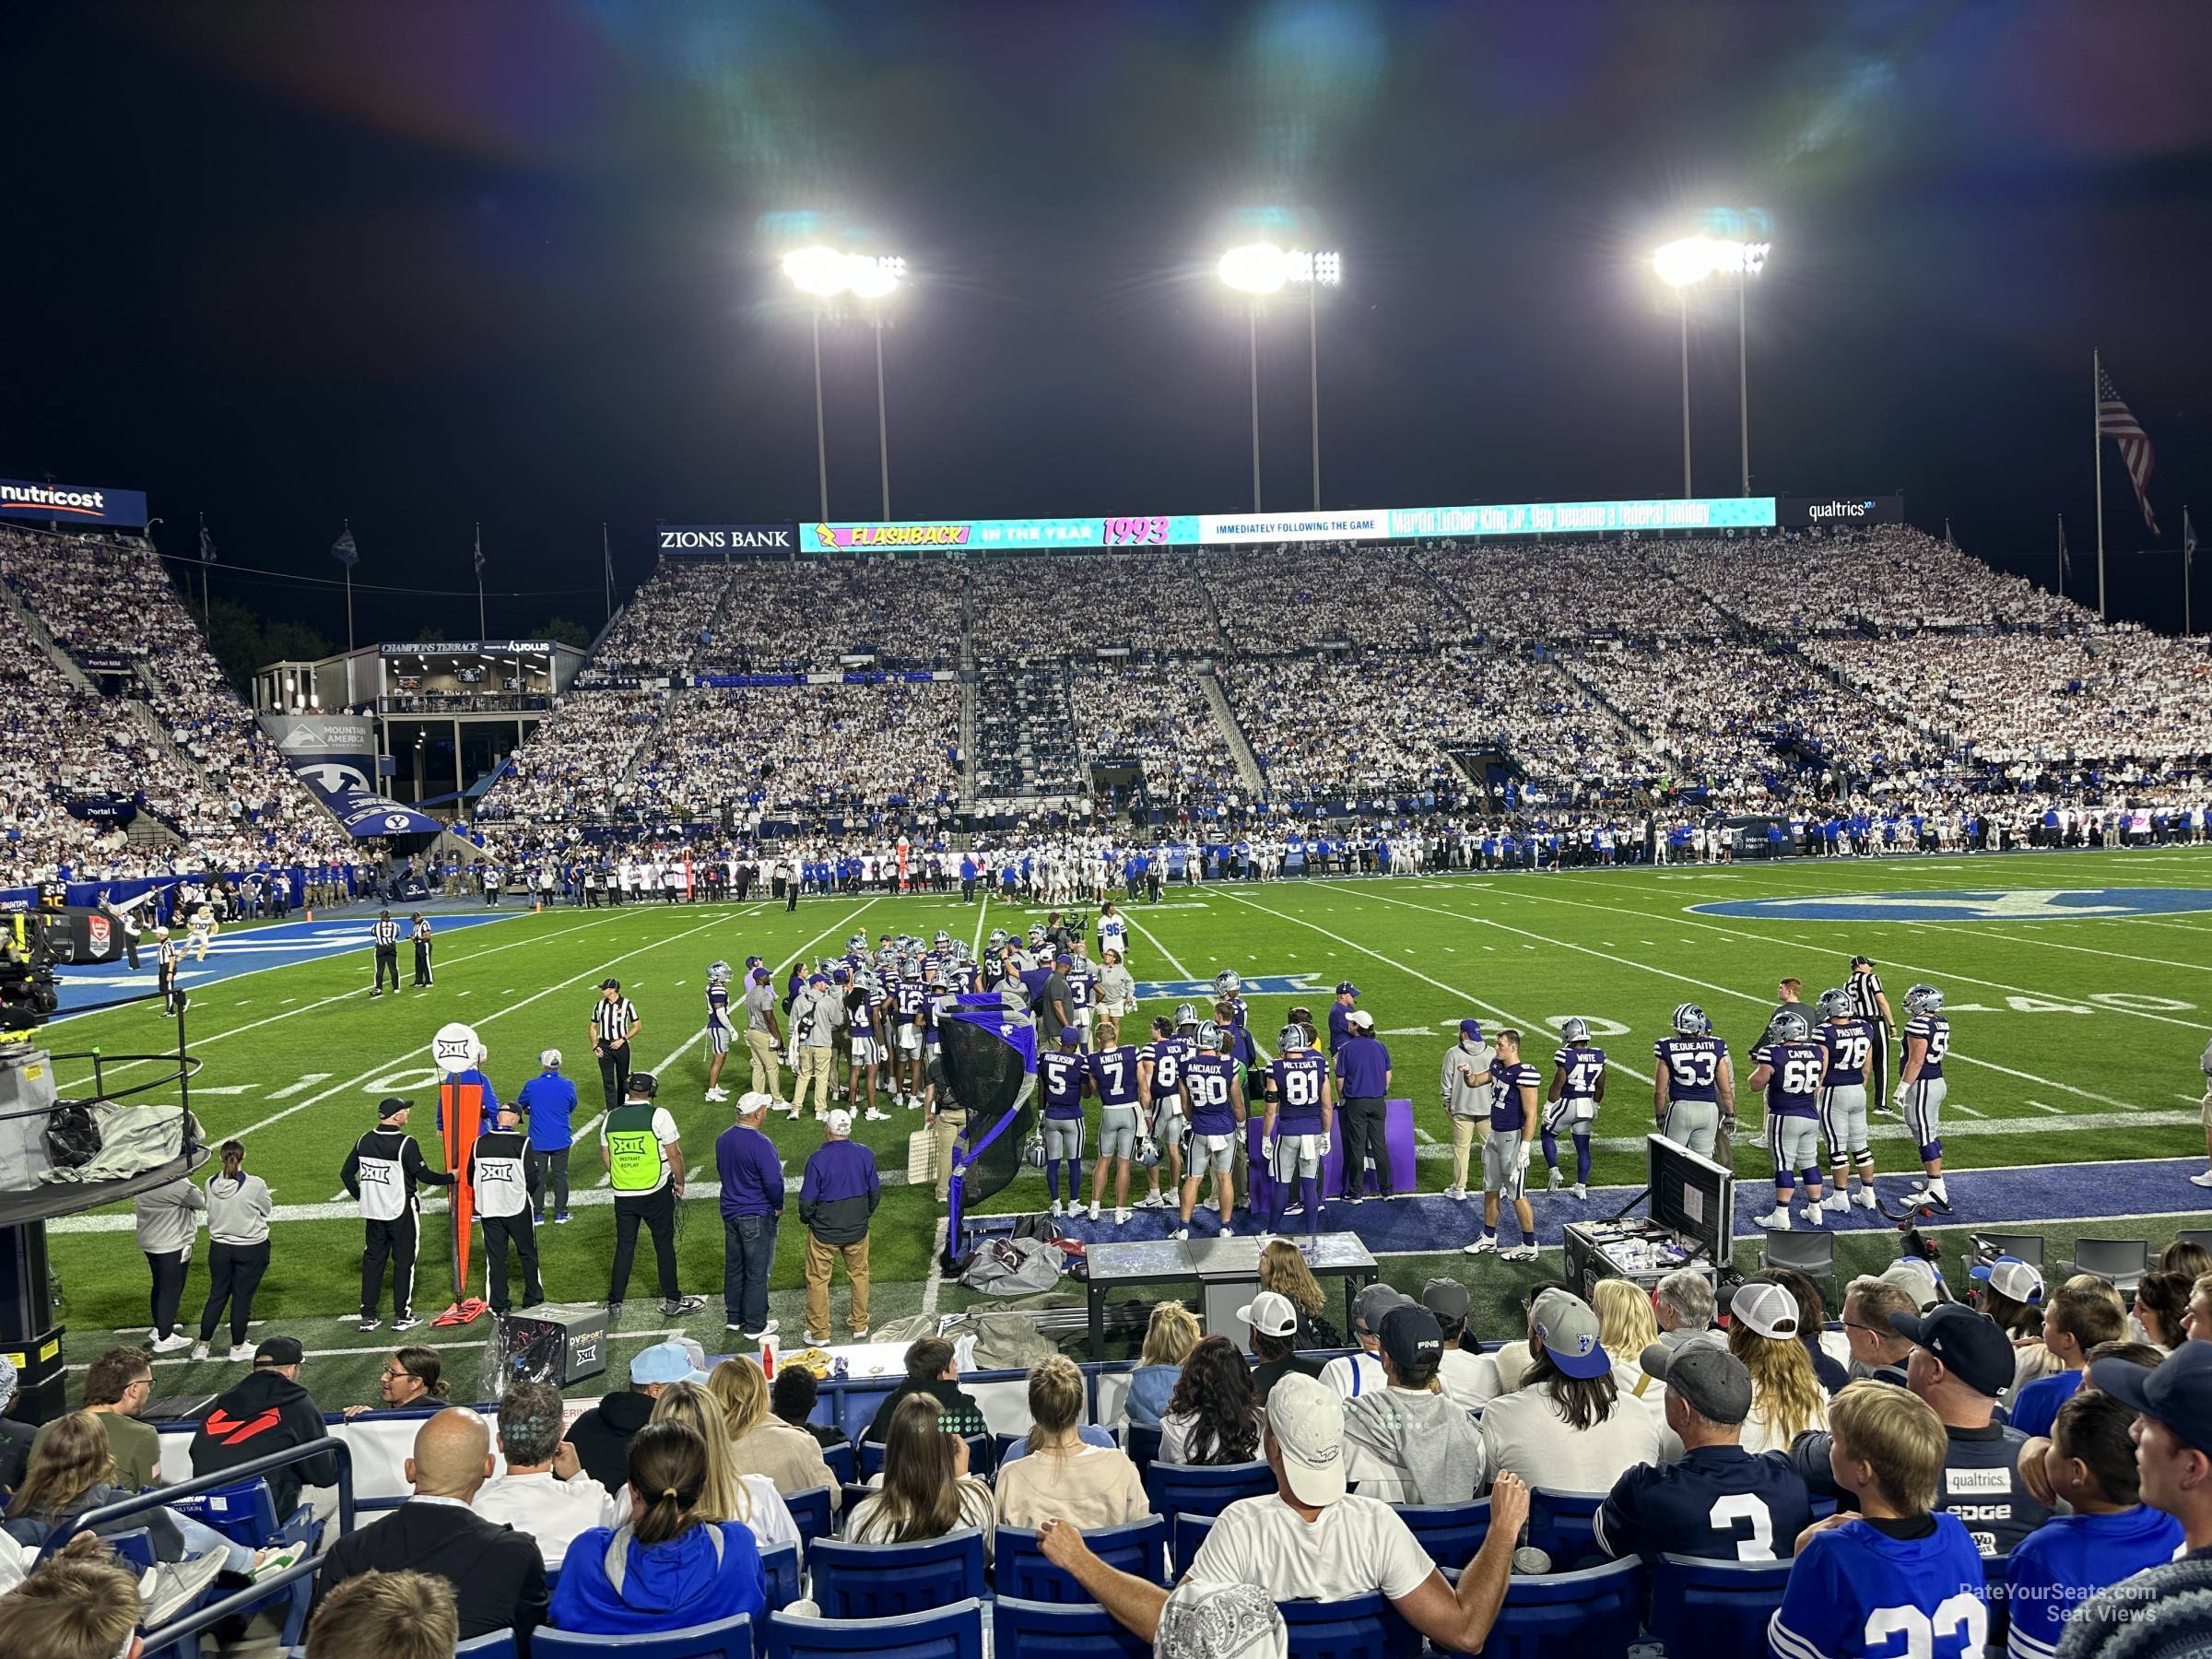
[633, 1150]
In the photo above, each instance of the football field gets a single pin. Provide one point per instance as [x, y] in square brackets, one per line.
[2077, 986]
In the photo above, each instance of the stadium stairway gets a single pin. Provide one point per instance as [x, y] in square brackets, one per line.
[42, 637]
[967, 730]
[1240, 746]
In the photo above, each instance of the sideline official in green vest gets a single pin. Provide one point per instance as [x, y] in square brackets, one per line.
[645, 1166]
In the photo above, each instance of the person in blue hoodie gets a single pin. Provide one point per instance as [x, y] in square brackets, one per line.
[665, 1568]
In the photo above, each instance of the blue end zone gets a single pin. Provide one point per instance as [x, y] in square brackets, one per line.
[246, 949]
[1970, 904]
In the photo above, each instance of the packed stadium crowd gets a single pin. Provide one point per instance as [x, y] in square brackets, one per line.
[1157, 714]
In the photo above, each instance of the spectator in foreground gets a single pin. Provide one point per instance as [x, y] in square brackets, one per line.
[602, 1435]
[1682, 1306]
[729, 1495]
[2073, 1323]
[117, 1386]
[269, 1410]
[2162, 1307]
[544, 1492]
[1214, 1414]
[1896, 1561]
[2109, 1533]
[386, 1616]
[74, 1606]
[1354, 1375]
[2172, 1403]
[1877, 1348]
[1718, 1502]
[1273, 1322]
[928, 1490]
[663, 1568]
[1311, 1540]
[1786, 1396]
[930, 1370]
[791, 1397]
[498, 1576]
[762, 1446]
[1411, 1442]
[1568, 1425]
[1060, 1475]
[1170, 1336]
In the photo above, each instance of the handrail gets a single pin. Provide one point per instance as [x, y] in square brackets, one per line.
[192, 1624]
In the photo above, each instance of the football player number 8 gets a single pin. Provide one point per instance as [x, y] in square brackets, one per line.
[1961, 1622]
[1743, 1507]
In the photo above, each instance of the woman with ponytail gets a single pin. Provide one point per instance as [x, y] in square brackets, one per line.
[238, 1250]
[668, 1566]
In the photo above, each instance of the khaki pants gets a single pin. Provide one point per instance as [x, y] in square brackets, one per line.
[766, 1072]
[1463, 1135]
[814, 1069]
[820, 1259]
[944, 1129]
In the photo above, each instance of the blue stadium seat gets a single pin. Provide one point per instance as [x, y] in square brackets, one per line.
[1204, 1489]
[890, 1581]
[1142, 1445]
[811, 1513]
[1561, 1524]
[135, 1546]
[954, 1633]
[780, 1574]
[493, 1644]
[982, 1456]
[1018, 1567]
[1185, 1532]
[725, 1638]
[1997, 1579]
[1032, 1630]
[1451, 1533]
[1593, 1614]
[850, 1495]
[1362, 1627]
[245, 1513]
[1715, 1609]
[844, 1465]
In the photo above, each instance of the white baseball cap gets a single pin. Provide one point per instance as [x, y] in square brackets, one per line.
[2009, 1276]
[1767, 1308]
[551, 1059]
[752, 1100]
[1306, 1417]
[839, 1121]
[1270, 1313]
[1361, 1018]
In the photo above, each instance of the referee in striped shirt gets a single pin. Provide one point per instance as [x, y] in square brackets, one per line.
[614, 1022]
[384, 935]
[1869, 1002]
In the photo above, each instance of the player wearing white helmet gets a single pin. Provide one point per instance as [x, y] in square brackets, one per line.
[719, 1027]
[1693, 1089]
[1301, 1118]
[1849, 1040]
[1919, 1082]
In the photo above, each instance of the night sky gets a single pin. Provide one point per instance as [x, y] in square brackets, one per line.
[425, 264]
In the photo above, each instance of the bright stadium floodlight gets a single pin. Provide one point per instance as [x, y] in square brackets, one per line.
[1683, 264]
[817, 271]
[824, 272]
[1262, 268]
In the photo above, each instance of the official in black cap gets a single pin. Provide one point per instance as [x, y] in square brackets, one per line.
[614, 1022]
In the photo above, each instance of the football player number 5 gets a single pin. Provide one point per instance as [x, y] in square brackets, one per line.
[1745, 1508]
[1960, 1623]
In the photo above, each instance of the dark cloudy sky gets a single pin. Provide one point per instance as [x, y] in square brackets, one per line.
[424, 263]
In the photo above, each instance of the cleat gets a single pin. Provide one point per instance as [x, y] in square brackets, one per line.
[1519, 1252]
[1866, 1199]
[2204, 1180]
[1121, 1218]
[1094, 1209]
[1485, 1245]
[1582, 1191]
[1814, 1214]
[1554, 1183]
[1058, 1208]
[1835, 1202]
[1775, 1220]
[1181, 1232]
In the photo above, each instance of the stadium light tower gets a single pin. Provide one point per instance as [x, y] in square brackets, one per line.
[1682, 264]
[824, 274]
[1257, 270]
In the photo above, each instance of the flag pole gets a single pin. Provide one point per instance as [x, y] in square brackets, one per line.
[606, 561]
[2062, 556]
[2097, 442]
[2188, 559]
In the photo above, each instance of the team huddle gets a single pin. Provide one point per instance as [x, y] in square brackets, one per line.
[1175, 1105]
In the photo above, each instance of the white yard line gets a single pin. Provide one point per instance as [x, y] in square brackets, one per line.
[1166, 955]
[975, 951]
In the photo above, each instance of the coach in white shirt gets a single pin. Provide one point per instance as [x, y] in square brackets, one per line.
[545, 1491]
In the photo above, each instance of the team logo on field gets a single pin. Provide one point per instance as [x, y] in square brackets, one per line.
[2017, 904]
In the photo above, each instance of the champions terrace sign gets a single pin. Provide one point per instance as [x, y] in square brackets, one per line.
[1192, 530]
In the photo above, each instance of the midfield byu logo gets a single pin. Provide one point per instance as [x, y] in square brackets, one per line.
[2017, 904]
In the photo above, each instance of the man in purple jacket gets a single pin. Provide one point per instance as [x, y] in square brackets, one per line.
[752, 1203]
[836, 1201]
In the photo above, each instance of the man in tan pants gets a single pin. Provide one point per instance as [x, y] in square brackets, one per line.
[1467, 1087]
[811, 1024]
[837, 1200]
[763, 1036]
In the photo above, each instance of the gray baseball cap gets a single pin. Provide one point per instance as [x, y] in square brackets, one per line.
[1372, 1303]
[1713, 1381]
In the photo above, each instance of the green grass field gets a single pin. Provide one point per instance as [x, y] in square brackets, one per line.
[2074, 1040]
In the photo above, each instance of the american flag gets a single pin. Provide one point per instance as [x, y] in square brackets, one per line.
[2116, 421]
